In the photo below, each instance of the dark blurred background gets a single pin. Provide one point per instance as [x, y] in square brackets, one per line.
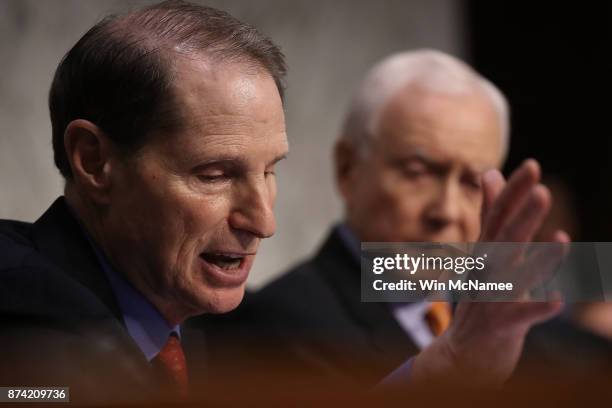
[551, 60]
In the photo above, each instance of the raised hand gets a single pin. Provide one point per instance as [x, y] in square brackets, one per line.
[484, 342]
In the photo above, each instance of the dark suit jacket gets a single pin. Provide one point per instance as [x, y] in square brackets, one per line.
[314, 312]
[59, 321]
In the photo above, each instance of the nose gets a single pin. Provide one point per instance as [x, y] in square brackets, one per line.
[253, 209]
[444, 208]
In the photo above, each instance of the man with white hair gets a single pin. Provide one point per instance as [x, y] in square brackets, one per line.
[421, 131]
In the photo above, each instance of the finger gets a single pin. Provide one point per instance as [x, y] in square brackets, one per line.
[528, 217]
[561, 237]
[516, 190]
[524, 224]
[534, 268]
[493, 183]
[539, 266]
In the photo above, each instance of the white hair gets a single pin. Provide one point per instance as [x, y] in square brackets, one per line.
[430, 70]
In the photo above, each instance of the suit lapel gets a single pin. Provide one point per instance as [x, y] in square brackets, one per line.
[342, 270]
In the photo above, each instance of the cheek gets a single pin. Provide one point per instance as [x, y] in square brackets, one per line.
[198, 215]
[404, 201]
[199, 220]
[407, 211]
[184, 224]
[392, 209]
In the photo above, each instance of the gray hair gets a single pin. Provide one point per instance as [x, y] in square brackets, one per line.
[432, 71]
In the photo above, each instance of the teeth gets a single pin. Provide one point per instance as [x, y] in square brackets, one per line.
[233, 264]
[223, 261]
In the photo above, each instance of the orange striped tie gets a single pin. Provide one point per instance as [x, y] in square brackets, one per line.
[438, 317]
[171, 367]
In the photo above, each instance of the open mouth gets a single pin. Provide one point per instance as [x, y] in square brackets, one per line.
[224, 261]
[226, 269]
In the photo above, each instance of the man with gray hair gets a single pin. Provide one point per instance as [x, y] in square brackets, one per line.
[420, 134]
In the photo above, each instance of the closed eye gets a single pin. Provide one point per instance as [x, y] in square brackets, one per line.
[413, 168]
[472, 181]
[211, 178]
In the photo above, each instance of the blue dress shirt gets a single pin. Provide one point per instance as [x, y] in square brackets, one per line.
[143, 321]
[145, 324]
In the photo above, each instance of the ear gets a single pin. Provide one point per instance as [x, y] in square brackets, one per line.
[345, 159]
[89, 153]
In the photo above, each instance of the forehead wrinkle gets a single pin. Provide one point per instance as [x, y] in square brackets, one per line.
[232, 143]
[204, 125]
[223, 142]
[231, 118]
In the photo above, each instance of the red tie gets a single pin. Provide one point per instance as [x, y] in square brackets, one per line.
[171, 366]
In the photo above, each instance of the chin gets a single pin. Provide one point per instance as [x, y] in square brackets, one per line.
[224, 300]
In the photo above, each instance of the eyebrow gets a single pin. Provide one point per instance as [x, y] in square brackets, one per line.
[277, 159]
[420, 156]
